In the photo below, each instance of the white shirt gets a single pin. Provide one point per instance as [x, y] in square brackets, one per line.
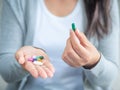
[52, 35]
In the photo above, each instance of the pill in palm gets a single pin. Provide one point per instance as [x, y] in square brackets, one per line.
[30, 59]
[38, 63]
[37, 60]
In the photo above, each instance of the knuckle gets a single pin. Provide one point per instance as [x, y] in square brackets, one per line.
[64, 57]
[76, 48]
[69, 53]
[85, 62]
[80, 64]
[82, 34]
[88, 58]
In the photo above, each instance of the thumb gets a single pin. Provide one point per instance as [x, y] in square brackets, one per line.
[81, 36]
[20, 57]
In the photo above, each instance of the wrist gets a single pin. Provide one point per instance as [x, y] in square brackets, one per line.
[90, 66]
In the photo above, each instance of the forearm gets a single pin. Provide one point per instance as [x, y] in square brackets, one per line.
[103, 74]
[10, 70]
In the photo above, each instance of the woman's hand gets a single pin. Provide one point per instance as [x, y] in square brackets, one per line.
[79, 51]
[26, 52]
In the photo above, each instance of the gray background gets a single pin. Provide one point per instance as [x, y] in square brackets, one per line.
[115, 87]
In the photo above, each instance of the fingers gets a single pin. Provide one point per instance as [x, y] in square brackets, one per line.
[41, 71]
[68, 53]
[44, 71]
[75, 53]
[70, 56]
[36, 70]
[25, 53]
[48, 71]
[30, 67]
[86, 51]
[68, 60]
[50, 66]
[82, 38]
[20, 57]
[76, 44]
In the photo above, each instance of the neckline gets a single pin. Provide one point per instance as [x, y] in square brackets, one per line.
[72, 14]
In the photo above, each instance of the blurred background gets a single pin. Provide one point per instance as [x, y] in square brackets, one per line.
[116, 83]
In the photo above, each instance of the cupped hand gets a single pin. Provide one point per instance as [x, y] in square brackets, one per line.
[79, 51]
[26, 52]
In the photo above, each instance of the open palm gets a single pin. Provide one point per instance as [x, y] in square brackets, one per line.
[26, 52]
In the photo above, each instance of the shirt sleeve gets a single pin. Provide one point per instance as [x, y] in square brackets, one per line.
[11, 39]
[105, 72]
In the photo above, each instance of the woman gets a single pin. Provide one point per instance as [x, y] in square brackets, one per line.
[42, 27]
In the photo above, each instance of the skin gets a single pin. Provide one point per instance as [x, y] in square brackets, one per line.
[44, 71]
[78, 51]
[60, 7]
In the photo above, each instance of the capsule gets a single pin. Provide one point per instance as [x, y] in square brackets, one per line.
[30, 59]
[34, 58]
[38, 63]
[37, 60]
[73, 27]
[40, 57]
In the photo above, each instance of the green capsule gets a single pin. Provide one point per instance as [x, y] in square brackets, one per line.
[73, 27]
[41, 57]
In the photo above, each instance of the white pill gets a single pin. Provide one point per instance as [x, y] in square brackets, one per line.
[38, 63]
